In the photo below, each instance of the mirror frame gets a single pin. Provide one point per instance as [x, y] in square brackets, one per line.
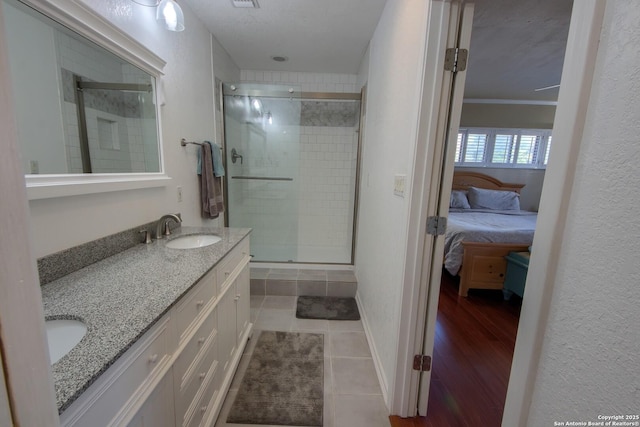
[88, 23]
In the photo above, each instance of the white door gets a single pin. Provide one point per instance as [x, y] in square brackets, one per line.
[459, 37]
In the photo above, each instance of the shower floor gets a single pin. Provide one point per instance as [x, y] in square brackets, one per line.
[311, 282]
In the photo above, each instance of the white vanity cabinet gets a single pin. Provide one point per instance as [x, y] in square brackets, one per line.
[177, 373]
[157, 410]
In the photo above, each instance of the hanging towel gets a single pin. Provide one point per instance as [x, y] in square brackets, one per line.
[210, 185]
[216, 152]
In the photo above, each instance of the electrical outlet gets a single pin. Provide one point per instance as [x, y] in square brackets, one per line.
[179, 188]
[398, 185]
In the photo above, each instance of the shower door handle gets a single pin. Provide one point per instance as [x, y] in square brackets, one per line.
[235, 156]
[264, 178]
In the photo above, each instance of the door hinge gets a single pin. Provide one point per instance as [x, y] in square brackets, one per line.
[421, 363]
[436, 225]
[455, 59]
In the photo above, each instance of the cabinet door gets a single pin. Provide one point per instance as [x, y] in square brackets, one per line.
[227, 327]
[243, 304]
[158, 410]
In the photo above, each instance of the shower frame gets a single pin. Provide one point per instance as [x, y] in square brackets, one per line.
[230, 89]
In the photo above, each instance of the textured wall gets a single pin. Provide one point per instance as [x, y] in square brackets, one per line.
[508, 116]
[589, 363]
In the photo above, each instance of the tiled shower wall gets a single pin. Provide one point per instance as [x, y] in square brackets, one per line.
[327, 165]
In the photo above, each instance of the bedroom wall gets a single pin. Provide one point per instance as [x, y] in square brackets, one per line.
[531, 178]
[589, 360]
[188, 87]
[512, 116]
[508, 116]
[395, 68]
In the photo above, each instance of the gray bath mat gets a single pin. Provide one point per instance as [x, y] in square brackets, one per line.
[331, 308]
[284, 382]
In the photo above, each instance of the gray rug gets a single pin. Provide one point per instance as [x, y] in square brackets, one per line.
[284, 382]
[331, 308]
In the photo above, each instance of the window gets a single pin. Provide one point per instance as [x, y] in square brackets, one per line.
[504, 148]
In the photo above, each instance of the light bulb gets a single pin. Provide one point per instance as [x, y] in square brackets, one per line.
[170, 14]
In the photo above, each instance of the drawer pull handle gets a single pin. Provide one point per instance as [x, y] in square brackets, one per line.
[227, 273]
[202, 375]
[199, 303]
[201, 341]
[237, 298]
[154, 358]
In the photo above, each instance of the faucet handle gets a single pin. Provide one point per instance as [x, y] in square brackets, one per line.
[147, 235]
[167, 229]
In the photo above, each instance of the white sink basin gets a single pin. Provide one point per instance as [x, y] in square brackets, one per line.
[193, 241]
[62, 336]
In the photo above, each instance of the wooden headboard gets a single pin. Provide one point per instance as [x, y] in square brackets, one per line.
[463, 180]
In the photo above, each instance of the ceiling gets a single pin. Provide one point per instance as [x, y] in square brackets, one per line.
[321, 36]
[516, 46]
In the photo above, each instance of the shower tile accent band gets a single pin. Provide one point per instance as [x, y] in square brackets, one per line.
[280, 281]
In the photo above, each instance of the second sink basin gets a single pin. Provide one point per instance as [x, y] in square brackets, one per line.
[62, 336]
[193, 241]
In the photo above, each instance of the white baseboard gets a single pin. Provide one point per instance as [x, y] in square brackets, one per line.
[382, 379]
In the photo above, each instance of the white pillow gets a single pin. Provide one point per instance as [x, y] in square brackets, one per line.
[459, 200]
[480, 198]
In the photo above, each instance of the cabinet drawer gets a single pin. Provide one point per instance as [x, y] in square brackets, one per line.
[106, 398]
[183, 366]
[230, 262]
[207, 398]
[205, 367]
[194, 303]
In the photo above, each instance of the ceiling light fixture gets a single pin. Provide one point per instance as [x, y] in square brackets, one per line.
[280, 58]
[170, 15]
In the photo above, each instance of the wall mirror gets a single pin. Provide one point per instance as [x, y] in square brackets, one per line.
[86, 114]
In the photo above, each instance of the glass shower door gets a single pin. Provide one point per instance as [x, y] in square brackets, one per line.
[291, 171]
[262, 141]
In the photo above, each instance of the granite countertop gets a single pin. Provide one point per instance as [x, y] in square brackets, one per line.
[121, 297]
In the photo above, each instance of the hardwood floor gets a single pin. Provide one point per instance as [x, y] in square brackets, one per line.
[475, 337]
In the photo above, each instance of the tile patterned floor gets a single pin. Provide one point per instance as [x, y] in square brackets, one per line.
[352, 392]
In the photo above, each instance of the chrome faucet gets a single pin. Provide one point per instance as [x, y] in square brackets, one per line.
[162, 228]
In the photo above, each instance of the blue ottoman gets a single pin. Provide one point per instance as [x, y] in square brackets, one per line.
[516, 275]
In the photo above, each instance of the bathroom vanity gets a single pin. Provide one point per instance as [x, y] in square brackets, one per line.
[165, 332]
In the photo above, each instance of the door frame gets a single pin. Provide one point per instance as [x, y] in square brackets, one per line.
[423, 203]
[25, 357]
[573, 101]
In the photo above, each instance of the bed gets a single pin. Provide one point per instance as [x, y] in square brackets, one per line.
[485, 223]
